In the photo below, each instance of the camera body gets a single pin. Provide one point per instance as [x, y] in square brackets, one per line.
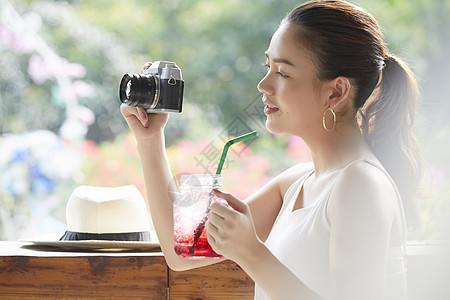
[159, 89]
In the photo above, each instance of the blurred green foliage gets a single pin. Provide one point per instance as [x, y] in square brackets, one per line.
[219, 45]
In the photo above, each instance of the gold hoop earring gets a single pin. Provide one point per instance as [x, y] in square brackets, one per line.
[323, 119]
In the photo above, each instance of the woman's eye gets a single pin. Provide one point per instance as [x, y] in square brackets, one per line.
[267, 67]
[282, 75]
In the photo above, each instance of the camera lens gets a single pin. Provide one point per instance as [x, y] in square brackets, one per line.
[139, 90]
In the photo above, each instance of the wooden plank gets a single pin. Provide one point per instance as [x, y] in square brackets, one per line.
[225, 280]
[93, 277]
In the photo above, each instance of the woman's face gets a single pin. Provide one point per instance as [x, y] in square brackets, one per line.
[291, 90]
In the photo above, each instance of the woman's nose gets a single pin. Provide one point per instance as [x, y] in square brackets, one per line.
[264, 85]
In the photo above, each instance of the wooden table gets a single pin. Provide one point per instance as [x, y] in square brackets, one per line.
[29, 273]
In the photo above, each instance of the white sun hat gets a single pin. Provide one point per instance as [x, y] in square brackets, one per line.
[106, 218]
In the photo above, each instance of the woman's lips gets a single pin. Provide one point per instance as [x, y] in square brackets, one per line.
[270, 109]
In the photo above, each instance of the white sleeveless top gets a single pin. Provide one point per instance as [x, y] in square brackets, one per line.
[300, 240]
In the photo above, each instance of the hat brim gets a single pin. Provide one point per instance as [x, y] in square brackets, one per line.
[52, 240]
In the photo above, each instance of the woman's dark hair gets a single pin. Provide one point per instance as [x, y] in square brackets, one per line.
[344, 40]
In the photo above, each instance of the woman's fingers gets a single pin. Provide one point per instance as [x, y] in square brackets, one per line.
[131, 112]
[234, 202]
[211, 228]
[146, 66]
[142, 115]
[230, 227]
[216, 215]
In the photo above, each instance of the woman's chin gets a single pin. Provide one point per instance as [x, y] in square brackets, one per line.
[272, 128]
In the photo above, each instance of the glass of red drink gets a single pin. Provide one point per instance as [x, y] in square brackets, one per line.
[190, 213]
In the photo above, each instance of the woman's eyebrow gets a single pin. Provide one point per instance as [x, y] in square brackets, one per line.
[280, 60]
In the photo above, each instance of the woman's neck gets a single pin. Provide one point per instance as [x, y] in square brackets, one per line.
[335, 150]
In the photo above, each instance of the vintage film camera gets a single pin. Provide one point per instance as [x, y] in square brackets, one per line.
[159, 89]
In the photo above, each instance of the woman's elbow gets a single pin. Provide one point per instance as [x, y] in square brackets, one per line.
[178, 264]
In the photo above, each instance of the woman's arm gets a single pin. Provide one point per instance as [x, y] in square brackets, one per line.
[362, 210]
[231, 231]
[148, 130]
[161, 189]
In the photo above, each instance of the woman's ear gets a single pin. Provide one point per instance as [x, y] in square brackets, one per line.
[339, 90]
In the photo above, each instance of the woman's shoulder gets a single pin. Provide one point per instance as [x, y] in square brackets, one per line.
[365, 172]
[291, 175]
[363, 183]
[366, 175]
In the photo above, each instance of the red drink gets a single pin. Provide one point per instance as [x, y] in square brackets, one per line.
[201, 249]
[190, 213]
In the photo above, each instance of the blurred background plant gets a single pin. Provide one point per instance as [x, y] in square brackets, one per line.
[60, 126]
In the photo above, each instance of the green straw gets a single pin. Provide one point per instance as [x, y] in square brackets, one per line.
[201, 226]
[231, 142]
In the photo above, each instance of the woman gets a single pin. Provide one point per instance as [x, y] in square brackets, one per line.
[333, 229]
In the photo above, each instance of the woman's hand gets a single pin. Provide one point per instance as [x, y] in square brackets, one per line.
[142, 124]
[230, 228]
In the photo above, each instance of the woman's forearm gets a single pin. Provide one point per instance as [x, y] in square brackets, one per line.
[161, 192]
[157, 176]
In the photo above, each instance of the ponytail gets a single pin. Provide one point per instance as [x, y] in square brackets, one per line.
[387, 122]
